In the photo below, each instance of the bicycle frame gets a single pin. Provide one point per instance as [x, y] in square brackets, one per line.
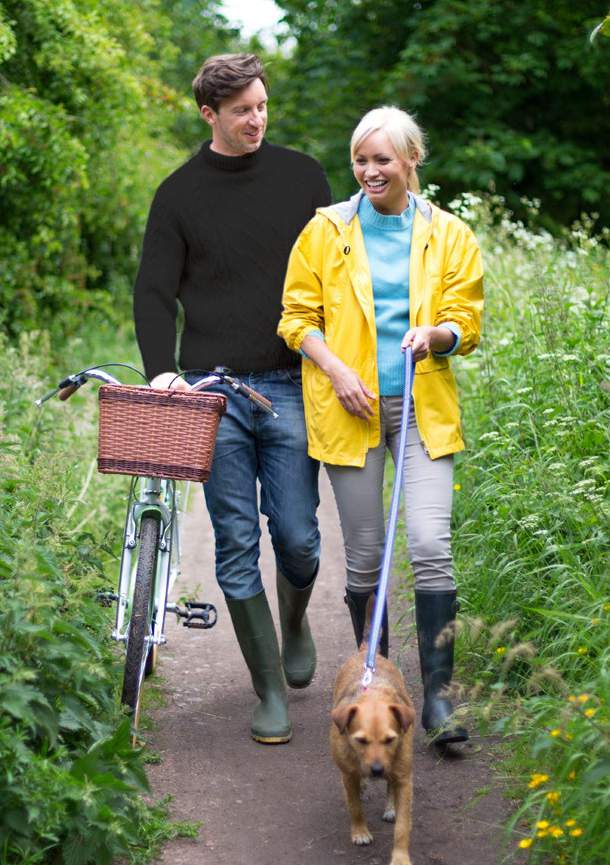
[159, 498]
[147, 573]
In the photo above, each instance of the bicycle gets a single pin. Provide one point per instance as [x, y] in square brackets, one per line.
[150, 557]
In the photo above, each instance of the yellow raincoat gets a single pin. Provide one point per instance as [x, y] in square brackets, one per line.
[328, 288]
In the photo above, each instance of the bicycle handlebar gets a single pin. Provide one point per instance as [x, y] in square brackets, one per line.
[220, 375]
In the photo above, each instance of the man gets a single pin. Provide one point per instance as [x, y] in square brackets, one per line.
[218, 237]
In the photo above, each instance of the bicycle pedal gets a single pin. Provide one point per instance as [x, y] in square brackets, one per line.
[106, 598]
[198, 615]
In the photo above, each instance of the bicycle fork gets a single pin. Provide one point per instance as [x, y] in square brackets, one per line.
[157, 499]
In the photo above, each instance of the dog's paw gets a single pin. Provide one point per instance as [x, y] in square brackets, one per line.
[399, 857]
[389, 815]
[361, 836]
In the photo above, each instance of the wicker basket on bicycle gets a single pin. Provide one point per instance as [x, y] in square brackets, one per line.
[158, 433]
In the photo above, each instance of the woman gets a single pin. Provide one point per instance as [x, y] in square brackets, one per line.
[367, 278]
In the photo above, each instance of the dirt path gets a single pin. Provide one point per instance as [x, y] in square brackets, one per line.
[283, 805]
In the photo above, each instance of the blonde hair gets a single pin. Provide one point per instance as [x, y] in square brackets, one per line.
[406, 136]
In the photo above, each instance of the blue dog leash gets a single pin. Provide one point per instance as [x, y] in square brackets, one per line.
[382, 588]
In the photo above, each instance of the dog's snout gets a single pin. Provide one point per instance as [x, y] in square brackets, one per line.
[377, 770]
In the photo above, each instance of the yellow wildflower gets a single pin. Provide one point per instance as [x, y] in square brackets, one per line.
[572, 699]
[553, 796]
[537, 779]
[571, 775]
[525, 843]
[606, 608]
[554, 733]
[570, 822]
[582, 698]
[542, 834]
[457, 487]
[582, 650]
[588, 713]
[542, 824]
[576, 833]
[556, 831]
[501, 650]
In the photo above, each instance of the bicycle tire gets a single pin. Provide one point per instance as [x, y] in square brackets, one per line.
[140, 619]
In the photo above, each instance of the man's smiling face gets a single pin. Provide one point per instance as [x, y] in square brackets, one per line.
[239, 124]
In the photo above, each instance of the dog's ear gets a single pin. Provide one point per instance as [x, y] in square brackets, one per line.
[404, 714]
[343, 715]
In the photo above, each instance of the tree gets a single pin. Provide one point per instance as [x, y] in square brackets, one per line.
[88, 116]
[512, 96]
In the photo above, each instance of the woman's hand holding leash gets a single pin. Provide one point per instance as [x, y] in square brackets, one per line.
[426, 338]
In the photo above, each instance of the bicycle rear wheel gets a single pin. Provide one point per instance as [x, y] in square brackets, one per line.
[140, 620]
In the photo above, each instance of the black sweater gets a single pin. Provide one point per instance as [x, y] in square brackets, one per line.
[218, 237]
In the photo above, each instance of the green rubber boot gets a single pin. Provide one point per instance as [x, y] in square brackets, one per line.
[298, 649]
[257, 639]
[434, 614]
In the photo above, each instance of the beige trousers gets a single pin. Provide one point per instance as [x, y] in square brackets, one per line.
[427, 493]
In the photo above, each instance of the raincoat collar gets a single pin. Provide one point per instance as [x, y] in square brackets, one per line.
[346, 210]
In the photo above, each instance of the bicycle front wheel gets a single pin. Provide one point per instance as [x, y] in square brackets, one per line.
[140, 620]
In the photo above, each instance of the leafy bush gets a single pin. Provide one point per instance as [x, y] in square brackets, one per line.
[82, 107]
[70, 783]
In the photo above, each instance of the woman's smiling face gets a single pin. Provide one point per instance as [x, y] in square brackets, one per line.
[382, 173]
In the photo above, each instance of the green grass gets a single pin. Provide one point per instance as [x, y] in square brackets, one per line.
[531, 538]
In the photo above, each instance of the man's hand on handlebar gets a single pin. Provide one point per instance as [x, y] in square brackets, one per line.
[165, 380]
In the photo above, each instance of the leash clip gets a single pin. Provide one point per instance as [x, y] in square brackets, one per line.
[367, 678]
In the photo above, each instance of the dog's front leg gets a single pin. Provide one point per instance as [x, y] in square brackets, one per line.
[389, 815]
[360, 831]
[403, 794]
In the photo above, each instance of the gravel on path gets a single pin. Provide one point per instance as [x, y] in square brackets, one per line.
[283, 805]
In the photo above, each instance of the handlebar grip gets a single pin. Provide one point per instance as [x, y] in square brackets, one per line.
[256, 397]
[65, 393]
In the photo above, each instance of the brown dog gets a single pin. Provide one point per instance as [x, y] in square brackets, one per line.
[372, 737]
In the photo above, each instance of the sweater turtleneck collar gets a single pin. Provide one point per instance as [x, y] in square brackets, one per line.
[231, 163]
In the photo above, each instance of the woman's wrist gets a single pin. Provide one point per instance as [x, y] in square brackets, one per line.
[441, 339]
[317, 351]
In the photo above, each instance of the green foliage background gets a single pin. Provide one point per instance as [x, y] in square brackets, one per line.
[95, 108]
[89, 124]
[513, 97]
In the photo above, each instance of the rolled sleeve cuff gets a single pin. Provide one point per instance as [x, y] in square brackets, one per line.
[457, 333]
[318, 335]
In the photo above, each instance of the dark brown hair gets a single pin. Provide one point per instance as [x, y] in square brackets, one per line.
[226, 74]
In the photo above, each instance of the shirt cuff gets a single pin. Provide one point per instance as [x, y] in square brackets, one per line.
[457, 333]
[318, 335]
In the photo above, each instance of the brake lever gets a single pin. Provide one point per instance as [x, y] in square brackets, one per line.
[64, 389]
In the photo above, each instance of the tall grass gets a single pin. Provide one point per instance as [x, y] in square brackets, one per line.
[532, 532]
[70, 783]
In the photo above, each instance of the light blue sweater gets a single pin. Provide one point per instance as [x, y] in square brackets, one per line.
[387, 240]
[388, 247]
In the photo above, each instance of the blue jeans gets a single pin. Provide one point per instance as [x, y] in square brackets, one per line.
[252, 445]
